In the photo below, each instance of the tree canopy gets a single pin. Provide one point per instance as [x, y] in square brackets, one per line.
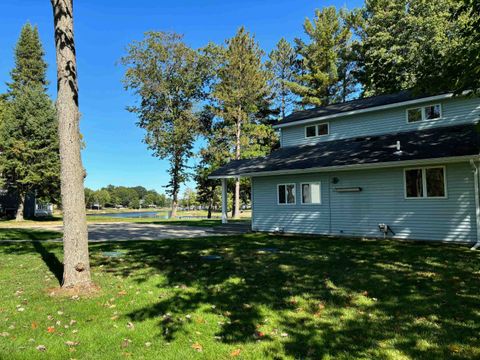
[169, 79]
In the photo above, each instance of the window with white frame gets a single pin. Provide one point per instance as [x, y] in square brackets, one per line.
[430, 112]
[311, 193]
[317, 130]
[286, 194]
[425, 182]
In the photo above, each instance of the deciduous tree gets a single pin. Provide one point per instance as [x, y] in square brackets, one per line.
[404, 44]
[169, 78]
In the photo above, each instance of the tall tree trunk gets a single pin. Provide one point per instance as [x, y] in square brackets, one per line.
[174, 204]
[21, 207]
[236, 200]
[210, 206]
[76, 269]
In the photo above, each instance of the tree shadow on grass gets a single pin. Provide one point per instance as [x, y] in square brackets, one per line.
[50, 259]
[331, 297]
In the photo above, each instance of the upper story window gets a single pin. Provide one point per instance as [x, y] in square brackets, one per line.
[286, 194]
[430, 112]
[427, 182]
[316, 130]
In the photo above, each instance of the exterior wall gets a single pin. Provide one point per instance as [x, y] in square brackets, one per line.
[454, 111]
[381, 200]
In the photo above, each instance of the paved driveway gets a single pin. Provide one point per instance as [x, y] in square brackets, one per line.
[133, 231]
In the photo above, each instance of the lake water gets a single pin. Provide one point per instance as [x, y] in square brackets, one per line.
[133, 214]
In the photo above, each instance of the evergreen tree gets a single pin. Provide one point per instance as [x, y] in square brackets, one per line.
[29, 161]
[324, 72]
[170, 78]
[282, 64]
[241, 94]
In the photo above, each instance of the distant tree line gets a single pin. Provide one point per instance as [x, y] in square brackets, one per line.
[121, 196]
[230, 94]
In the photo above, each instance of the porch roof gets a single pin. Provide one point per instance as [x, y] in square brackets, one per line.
[442, 143]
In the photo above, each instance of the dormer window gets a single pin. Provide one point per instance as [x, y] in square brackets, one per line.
[430, 112]
[316, 130]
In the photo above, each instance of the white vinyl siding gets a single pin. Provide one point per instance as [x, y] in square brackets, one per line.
[382, 200]
[454, 111]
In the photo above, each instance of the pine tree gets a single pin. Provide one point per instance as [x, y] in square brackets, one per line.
[323, 65]
[282, 64]
[29, 161]
[241, 93]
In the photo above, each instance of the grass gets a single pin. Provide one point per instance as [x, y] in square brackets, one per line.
[28, 234]
[268, 297]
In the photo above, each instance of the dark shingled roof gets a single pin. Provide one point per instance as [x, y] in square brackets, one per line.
[433, 143]
[352, 105]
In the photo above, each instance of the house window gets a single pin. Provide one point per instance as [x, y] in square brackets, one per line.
[311, 131]
[426, 182]
[316, 130]
[311, 193]
[430, 112]
[286, 194]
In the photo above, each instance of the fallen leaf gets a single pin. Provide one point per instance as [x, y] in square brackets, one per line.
[126, 342]
[51, 329]
[148, 344]
[71, 343]
[41, 348]
[4, 334]
[197, 347]
[34, 325]
[130, 325]
[235, 353]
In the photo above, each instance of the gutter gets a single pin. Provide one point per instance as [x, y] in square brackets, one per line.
[476, 180]
[367, 110]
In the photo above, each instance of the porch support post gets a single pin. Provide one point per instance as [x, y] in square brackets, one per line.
[476, 180]
[224, 201]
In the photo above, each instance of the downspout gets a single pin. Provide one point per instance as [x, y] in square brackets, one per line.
[477, 201]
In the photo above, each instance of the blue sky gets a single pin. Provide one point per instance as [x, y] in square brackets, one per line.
[115, 153]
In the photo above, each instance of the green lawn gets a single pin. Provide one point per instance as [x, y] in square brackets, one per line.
[184, 222]
[305, 298]
[106, 219]
[28, 234]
